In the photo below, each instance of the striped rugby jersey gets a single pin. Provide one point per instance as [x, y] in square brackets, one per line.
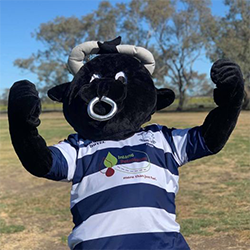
[123, 192]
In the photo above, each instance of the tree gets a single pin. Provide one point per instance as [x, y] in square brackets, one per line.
[59, 37]
[230, 38]
[174, 31]
[4, 97]
[171, 29]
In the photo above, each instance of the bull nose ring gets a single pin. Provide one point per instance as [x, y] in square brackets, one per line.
[101, 118]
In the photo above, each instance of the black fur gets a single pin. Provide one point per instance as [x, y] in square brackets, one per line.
[137, 100]
[23, 112]
[228, 95]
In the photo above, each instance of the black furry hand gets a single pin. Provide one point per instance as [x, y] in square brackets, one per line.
[24, 105]
[229, 82]
[109, 47]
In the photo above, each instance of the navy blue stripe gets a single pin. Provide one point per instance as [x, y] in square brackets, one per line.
[168, 135]
[196, 147]
[74, 139]
[171, 164]
[59, 169]
[143, 241]
[95, 162]
[125, 196]
[152, 127]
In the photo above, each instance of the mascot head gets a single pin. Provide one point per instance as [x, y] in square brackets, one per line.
[113, 94]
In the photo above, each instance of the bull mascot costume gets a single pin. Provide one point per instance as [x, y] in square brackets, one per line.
[124, 176]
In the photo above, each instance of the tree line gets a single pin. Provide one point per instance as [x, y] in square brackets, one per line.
[177, 32]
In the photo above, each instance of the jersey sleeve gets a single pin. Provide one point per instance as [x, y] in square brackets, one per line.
[186, 144]
[64, 162]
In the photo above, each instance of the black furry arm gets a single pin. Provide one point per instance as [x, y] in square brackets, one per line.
[228, 95]
[24, 108]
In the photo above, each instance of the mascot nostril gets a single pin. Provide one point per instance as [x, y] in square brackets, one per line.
[124, 175]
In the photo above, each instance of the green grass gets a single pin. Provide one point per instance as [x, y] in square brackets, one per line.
[214, 191]
[10, 229]
[52, 106]
[45, 106]
[190, 103]
[3, 107]
[213, 197]
[196, 226]
[64, 239]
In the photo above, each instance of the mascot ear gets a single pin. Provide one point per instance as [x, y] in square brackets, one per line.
[165, 97]
[58, 92]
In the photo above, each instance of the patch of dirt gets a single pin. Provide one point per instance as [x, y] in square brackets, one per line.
[30, 241]
[220, 242]
[41, 234]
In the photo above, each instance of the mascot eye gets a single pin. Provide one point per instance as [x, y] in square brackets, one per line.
[121, 77]
[94, 76]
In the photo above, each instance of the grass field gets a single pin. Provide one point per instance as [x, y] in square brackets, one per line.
[213, 203]
[190, 104]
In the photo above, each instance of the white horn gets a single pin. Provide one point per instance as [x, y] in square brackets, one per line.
[77, 55]
[141, 54]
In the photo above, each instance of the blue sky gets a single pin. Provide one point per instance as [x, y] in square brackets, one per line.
[18, 19]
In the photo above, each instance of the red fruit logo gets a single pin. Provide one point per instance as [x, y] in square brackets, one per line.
[110, 172]
[110, 161]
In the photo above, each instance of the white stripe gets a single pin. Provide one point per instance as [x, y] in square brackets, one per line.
[180, 142]
[69, 154]
[122, 222]
[98, 182]
[134, 140]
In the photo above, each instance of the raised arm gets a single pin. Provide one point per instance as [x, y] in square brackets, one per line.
[228, 95]
[23, 111]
